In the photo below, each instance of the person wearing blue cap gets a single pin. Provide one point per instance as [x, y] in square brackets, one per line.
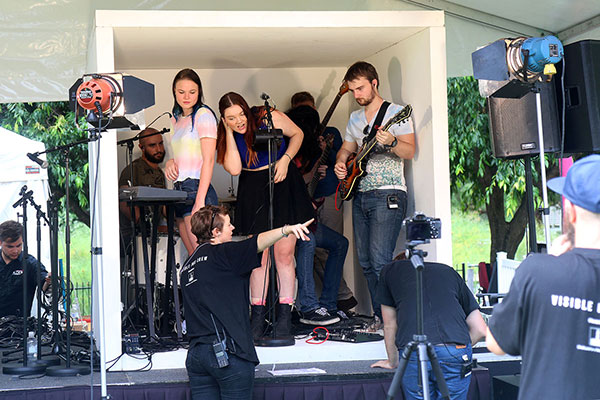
[551, 314]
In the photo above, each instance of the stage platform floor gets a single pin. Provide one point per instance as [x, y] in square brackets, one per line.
[340, 361]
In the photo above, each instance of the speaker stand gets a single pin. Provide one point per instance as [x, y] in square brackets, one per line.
[540, 125]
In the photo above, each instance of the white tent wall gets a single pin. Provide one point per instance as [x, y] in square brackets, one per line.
[44, 45]
[17, 170]
[406, 69]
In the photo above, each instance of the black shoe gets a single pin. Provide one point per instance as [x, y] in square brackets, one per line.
[257, 321]
[319, 316]
[347, 304]
[283, 326]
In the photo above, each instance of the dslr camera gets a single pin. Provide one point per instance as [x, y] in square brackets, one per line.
[421, 227]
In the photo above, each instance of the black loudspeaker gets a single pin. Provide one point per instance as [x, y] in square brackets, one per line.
[582, 96]
[513, 124]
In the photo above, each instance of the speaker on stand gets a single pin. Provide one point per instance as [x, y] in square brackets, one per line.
[513, 124]
[581, 96]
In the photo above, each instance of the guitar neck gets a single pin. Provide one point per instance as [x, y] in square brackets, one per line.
[329, 113]
[312, 185]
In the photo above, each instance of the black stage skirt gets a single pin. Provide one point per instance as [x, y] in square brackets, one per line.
[291, 202]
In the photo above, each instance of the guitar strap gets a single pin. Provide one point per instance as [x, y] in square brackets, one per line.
[378, 120]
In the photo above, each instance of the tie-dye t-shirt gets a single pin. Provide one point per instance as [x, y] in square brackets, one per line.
[186, 144]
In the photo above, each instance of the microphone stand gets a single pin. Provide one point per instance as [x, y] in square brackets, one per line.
[68, 369]
[52, 208]
[39, 216]
[26, 368]
[272, 136]
[134, 256]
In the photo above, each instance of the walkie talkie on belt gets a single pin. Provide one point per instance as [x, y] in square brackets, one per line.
[220, 347]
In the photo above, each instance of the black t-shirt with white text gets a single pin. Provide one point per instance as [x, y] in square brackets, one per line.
[215, 280]
[11, 284]
[447, 302]
[551, 317]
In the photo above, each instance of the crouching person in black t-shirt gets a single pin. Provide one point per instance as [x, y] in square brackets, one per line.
[214, 281]
[451, 319]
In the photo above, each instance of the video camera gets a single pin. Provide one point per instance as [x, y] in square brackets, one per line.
[421, 227]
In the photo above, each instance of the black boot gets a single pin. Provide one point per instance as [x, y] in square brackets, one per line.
[283, 328]
[257, 321]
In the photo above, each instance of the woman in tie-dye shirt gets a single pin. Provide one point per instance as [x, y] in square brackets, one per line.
[193, 144]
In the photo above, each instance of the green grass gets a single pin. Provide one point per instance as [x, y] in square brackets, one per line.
[470, 238]
[81, 272]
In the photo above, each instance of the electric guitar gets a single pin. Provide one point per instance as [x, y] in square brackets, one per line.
[312, 185]
[328, 139]
[357, 162]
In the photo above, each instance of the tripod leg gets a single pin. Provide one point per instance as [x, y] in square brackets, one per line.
[397, 380]
[437, 372]
[424, 374]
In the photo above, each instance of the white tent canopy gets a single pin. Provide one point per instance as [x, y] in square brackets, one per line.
[16, 170]
[44, 45]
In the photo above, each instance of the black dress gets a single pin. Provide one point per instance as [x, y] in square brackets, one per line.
[291, 202]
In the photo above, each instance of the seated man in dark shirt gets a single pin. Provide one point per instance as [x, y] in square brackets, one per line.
[12, 266]
[146, 172]
[336, 298]
[452, 323]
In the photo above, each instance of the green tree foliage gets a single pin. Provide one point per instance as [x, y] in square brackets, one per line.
[54, 125]
[479, 181]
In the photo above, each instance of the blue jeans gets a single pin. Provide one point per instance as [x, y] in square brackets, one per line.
[376, 229]
[207, 381]
[450, 359]
[337, 246]
[191, 187]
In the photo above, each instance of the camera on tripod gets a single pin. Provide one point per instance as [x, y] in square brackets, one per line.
[422, 227]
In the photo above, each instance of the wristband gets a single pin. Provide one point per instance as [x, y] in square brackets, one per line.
[286, 154]
[283, 232]
[394, 143]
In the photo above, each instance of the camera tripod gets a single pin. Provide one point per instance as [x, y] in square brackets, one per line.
[425, 351]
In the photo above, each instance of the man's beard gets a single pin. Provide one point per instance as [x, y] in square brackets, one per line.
[365, 102]
[155, 159]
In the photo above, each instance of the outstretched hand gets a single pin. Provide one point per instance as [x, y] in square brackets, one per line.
[299, 230]
[383, 364]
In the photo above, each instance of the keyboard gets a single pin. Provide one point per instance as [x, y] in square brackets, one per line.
[148, 193]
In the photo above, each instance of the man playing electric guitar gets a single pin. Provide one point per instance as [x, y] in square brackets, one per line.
[379, 205]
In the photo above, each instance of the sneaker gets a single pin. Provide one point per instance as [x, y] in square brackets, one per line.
[343, 316]
[347, 304]
[319, 316]
[375, 325]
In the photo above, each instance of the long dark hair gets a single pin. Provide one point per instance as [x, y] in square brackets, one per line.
[190, 75]
[307, 119]
[226, 101]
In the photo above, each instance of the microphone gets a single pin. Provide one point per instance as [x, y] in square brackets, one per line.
[34, 157]
[264, 96]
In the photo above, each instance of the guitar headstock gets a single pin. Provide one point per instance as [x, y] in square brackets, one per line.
[343, 89]
[401, 116]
